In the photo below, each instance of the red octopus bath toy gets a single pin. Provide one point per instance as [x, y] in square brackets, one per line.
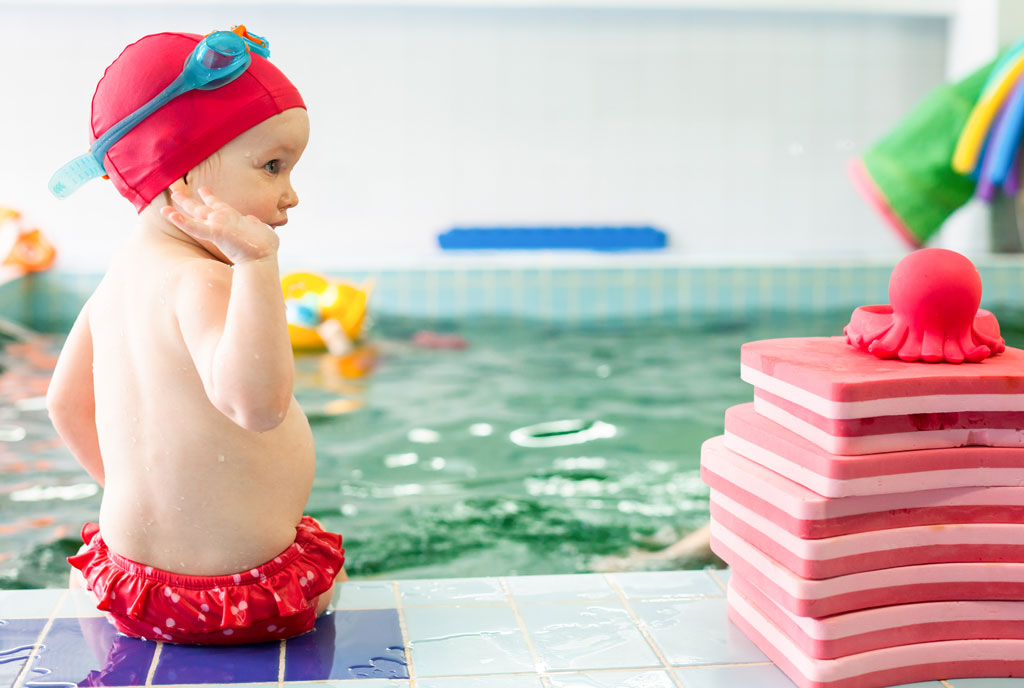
[934, 314]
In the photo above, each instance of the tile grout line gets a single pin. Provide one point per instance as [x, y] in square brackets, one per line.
[23, 674]
[719, 583]
[152, 665]
[640, 626]
[280, 664]
[405, 634]
[537, 664]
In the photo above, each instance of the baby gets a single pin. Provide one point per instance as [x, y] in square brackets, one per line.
[174, 388]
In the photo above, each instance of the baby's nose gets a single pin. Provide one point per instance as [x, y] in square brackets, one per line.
[290, 200]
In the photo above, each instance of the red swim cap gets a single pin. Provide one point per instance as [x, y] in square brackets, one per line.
[185, 131]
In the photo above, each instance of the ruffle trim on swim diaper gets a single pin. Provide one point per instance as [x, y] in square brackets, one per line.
[273, 601]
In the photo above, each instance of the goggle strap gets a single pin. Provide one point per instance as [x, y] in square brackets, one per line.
[255, 44]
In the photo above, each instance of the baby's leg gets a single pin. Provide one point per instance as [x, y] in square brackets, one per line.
[325, 599]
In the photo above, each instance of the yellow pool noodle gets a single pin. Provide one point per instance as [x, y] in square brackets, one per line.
[968, 147]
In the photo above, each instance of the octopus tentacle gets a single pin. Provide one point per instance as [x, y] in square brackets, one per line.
[973, 352]
[952, 351]
[932, 346]
[889, 346]
[860, 339]
[911, 349]
[996, 344]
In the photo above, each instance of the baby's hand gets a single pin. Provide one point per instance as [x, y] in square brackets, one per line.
[241, 238]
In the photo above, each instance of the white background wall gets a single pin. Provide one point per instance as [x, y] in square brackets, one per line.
[729, 130]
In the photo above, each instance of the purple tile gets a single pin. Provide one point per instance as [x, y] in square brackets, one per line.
[17, 636]
[348, 644]
[218, 663]
[90, 652]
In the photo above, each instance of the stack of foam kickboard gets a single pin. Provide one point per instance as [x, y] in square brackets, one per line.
[868, 545]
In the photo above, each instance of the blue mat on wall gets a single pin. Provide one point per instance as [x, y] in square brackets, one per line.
[574, 238]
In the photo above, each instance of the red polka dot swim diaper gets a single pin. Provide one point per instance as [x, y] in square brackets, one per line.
[273, 601]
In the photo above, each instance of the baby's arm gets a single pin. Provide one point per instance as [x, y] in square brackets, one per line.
[233, 320]
[70, 398]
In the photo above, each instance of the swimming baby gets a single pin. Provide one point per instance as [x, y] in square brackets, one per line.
[174, 387]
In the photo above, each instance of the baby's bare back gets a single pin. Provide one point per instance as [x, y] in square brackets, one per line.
[187, 489]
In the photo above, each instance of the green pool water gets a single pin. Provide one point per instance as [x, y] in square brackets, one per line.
[420, 465]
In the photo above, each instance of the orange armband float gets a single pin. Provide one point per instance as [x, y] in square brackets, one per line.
[29, 250]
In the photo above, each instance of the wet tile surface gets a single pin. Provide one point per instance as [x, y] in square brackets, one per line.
[583, 587]
[636, 630]
[696, 632]
[180, 664]
[762, 676]
[457, 641]
[89, 650]
[587, 636]
[666, 585]
[481, 682]
[616, 679]
[364, 595]
[452, 591]
[349, 644]
[17, 639]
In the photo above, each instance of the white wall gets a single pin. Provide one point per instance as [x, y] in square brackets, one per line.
[728, 130]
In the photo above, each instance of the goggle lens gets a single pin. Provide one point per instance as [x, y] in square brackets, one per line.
[220, 49]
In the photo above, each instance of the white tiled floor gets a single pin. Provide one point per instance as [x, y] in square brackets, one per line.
[630, 630]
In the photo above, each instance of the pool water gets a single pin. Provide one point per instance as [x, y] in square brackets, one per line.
[426, 459]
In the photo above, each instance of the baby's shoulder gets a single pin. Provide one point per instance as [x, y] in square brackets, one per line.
[201, 268]
[197, 278]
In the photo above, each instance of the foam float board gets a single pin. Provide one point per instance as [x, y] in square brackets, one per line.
[930, 661]
[867, 589]
[880, 549]
[785, 452]
[850, 402]
[807, 514]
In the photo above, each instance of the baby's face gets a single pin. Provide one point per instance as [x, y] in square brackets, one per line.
[253, 172]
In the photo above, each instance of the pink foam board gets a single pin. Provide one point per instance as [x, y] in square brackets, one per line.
[899, 432]
[807, 514]
[929, 661]
[869, 551]
[866, 589]
[864, 630]
[785, 452]
[830, 369]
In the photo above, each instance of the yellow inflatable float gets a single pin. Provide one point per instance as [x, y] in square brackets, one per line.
[322, 313]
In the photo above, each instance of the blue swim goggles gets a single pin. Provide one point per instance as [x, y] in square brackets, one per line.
[218, 59]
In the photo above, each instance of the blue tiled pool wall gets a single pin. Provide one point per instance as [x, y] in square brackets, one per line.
[50, 301]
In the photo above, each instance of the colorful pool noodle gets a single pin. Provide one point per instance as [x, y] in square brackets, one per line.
[968, 146]
[984, 170]
[1006, 135]
[996, 164]
[1002, 66]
